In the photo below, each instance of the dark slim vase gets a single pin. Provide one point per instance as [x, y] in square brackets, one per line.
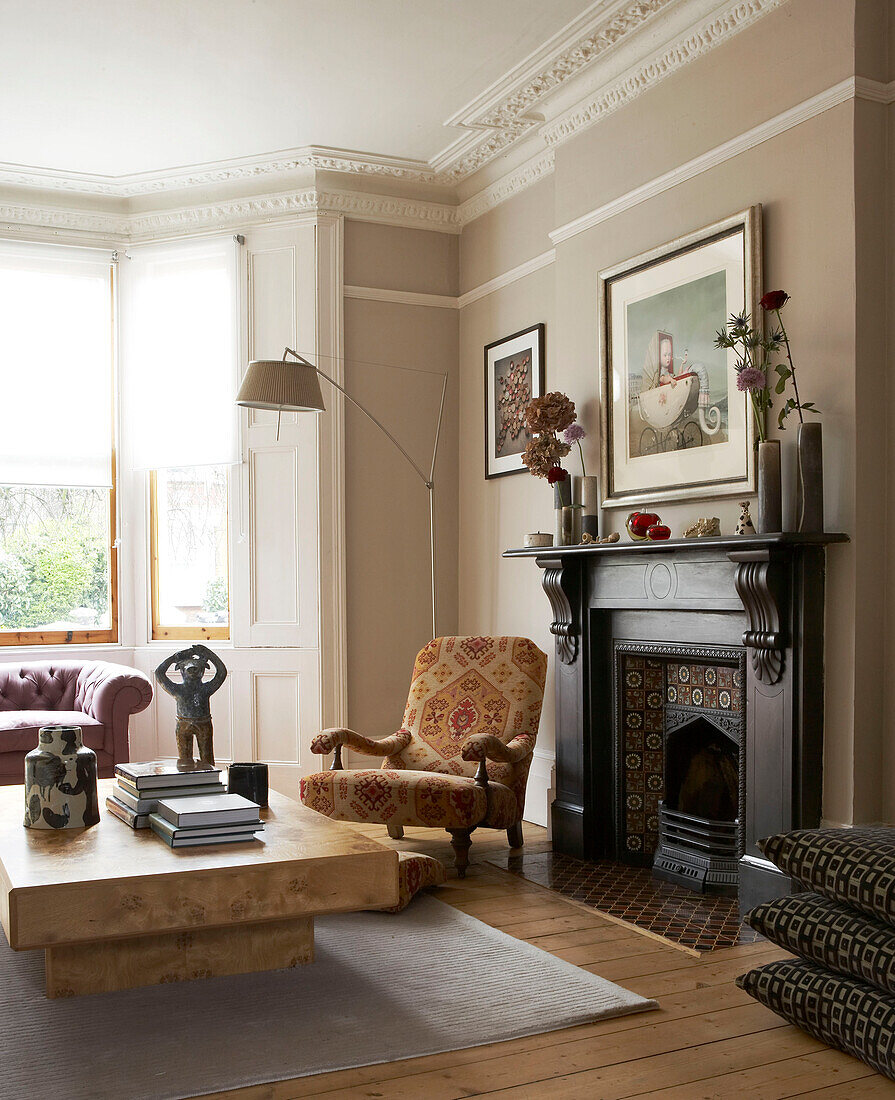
[770, 495]
[562, 498]
[810, 499]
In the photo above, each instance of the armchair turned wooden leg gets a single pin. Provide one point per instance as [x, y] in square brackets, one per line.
[514, 835]
[461, 841]
[396, 832]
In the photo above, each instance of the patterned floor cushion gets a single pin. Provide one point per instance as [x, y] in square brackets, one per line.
[415, 872]
[854, 866]
[841, 1011]
[403, 797]
[831, 934]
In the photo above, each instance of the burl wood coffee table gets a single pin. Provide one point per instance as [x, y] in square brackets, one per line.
[113, 908]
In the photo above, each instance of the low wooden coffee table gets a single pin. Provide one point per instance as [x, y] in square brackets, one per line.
[114, 908]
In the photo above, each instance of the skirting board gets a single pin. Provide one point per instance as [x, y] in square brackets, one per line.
[539, 794]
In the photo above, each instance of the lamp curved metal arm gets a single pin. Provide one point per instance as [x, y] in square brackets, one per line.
[429, 481]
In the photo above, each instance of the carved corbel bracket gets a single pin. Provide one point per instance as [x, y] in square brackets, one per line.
[563, 627]
[759, 581]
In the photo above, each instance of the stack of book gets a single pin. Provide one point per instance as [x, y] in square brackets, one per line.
[138, 788]
[205, 819]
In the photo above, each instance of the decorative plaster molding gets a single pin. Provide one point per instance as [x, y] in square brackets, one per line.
[312, 157]
[402, 297]
[694, 43]
[498, 118]
[221, 215]
[504, 109]
[795, 116]
[414, 213]
[533, 171]
[511, 276]
[207, 217]
[874, 90]
[110, 226]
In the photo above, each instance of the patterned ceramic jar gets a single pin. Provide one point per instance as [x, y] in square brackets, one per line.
[60, 781]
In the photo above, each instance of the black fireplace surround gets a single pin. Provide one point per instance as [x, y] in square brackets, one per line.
[761, 596]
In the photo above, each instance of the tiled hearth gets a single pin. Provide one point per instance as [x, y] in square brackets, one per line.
[705, 922]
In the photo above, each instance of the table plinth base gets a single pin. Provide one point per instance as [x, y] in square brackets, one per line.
[107, 965]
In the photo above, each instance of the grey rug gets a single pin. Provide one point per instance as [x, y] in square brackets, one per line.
[383, 987]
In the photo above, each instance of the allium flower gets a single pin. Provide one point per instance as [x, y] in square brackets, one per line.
[556, 473]
[774, 299]
[573, 433]
[751, 378]
[551, 413]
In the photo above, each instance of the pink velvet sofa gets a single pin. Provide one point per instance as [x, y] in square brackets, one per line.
[97, 696]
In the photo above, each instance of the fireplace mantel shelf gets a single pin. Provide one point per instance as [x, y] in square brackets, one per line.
[754, 598]
[722, 542]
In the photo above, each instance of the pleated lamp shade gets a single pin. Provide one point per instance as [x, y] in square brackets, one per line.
[276, 384]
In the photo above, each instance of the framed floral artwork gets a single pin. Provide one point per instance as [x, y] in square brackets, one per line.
[675, 426]
[514, 374]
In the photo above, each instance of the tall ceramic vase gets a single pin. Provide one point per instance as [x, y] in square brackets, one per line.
[60, 781]
[770, 495]
[810, 491]
[562, 498]
[585, 493]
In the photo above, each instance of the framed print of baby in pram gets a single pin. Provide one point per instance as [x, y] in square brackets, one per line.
[675, 426]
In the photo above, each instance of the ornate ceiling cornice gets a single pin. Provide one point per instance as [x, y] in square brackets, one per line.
[501, 117]
[503, 111]
[694, 43]
[311, 158]
[209, 217]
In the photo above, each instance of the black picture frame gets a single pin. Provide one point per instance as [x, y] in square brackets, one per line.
[514, 374]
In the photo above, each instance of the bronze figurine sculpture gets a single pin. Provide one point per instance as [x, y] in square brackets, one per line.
[192, 695]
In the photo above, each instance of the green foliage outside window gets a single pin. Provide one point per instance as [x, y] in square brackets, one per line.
[54, 558]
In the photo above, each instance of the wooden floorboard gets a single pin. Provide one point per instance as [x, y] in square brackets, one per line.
[707, 1041]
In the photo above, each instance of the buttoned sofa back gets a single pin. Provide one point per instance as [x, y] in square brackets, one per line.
[98, 696]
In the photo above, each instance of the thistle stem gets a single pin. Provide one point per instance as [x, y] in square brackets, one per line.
[581, 453]
[759, 419]
[792, 367]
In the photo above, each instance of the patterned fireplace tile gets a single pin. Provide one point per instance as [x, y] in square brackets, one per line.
[705, 922]
[643, 720]
[650, 683]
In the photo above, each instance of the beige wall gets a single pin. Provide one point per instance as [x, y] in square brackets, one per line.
[389, 615]
[805, 180]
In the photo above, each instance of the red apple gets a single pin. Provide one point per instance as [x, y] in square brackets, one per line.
[639, 523]
[658, 532]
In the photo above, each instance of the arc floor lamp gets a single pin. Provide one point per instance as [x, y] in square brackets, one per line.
[283, 386]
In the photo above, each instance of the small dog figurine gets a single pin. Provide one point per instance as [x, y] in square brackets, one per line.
[744, 523]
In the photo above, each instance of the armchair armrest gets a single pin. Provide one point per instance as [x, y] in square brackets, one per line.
[332, 739]
[111, 694]
[485, 746]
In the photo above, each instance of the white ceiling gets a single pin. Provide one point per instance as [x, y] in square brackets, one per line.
[118, 87]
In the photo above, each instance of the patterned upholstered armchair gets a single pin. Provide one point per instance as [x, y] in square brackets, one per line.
[460, 761]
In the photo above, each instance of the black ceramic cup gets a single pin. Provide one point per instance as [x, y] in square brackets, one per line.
[249, 780]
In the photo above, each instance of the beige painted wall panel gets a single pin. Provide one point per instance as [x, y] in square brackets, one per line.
[497, 596]
[871, 382]
[809, 251]
[796, 52]
[389, 613]
[507, 236]
[874, 39]
[392, 258]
